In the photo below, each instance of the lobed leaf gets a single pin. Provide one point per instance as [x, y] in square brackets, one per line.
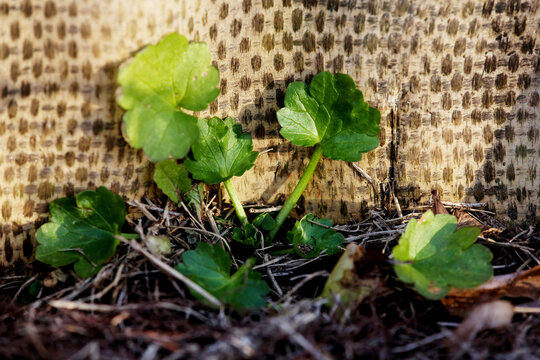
[160, 81]
[310, 239]
[332, 113]
[209, 266]
[223, 151]
[195, 199]
[251, 234]
[172, 179]
[81, 231]
[440, 256]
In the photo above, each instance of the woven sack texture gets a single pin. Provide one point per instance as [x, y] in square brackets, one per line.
[457, 84]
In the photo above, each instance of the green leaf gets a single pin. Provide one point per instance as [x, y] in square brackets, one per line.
[333, 113]
[81, 231]
[172, 179]
[210, 266]
[439, 256]
[310, 239]
[265, 222]
[30, 292]
[250, 234]
[195, 198]
[223, 151]
[162, 80]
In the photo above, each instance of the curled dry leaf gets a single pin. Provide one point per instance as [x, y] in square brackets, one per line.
[437, 207]
[523, 284]
[464, 219]
[485, 316]
[345, 284]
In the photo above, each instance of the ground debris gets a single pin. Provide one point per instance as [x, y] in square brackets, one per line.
[134, 308]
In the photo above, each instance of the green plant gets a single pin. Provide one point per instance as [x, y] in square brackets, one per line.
[252, 234]
[332, 116]
[157, 87]
[172, 179]
[168, 79]
[222, 152]
[311, 236]
[82, 231]
[434, 255]
[209, 266]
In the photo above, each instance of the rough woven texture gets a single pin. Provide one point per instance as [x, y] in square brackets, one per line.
[457, 84]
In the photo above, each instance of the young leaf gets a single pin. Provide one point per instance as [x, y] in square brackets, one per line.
[440, 256]
[223, 151]
[162, 80]
[332, 113]
[310, 239]
[195, 198]
[251, 234]
[81, 231]
[210, 266]
[172, 179]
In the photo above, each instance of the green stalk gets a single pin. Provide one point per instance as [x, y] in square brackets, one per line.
[240, 213]
[130, 236]
[297, 192]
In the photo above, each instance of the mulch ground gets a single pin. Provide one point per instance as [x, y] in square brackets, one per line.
[134, 310]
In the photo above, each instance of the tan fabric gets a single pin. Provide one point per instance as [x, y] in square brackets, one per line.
[462, 78]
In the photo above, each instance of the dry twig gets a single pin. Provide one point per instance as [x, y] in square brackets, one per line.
[171, 272]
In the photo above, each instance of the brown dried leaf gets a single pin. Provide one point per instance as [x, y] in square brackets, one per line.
[485, 316]
[524, 284]
[465, 219]
[345, 284]
[438, 207]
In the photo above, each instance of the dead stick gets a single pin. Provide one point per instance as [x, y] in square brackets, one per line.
[367, 177]
[301, 283]
[376, 233]
[22, 288]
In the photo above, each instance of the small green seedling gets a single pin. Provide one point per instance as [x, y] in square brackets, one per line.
[209, 266]
[157, 87]
[172, 179]
[82, 231]
[195, 199]
[253, 234]
[165, 79]
[223, 151]
[332, 116]
[311, 236]
[435, 255]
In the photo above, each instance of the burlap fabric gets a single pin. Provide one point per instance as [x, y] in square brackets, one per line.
[457, 84]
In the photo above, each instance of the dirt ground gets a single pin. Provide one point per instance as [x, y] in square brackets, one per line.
[134, 310]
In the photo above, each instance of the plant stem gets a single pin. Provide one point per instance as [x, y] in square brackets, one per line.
[240, 213]
[282, 252]
[130, 236]
[297, 192]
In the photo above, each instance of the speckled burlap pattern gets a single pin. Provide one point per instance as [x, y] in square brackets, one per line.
[457, 84]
